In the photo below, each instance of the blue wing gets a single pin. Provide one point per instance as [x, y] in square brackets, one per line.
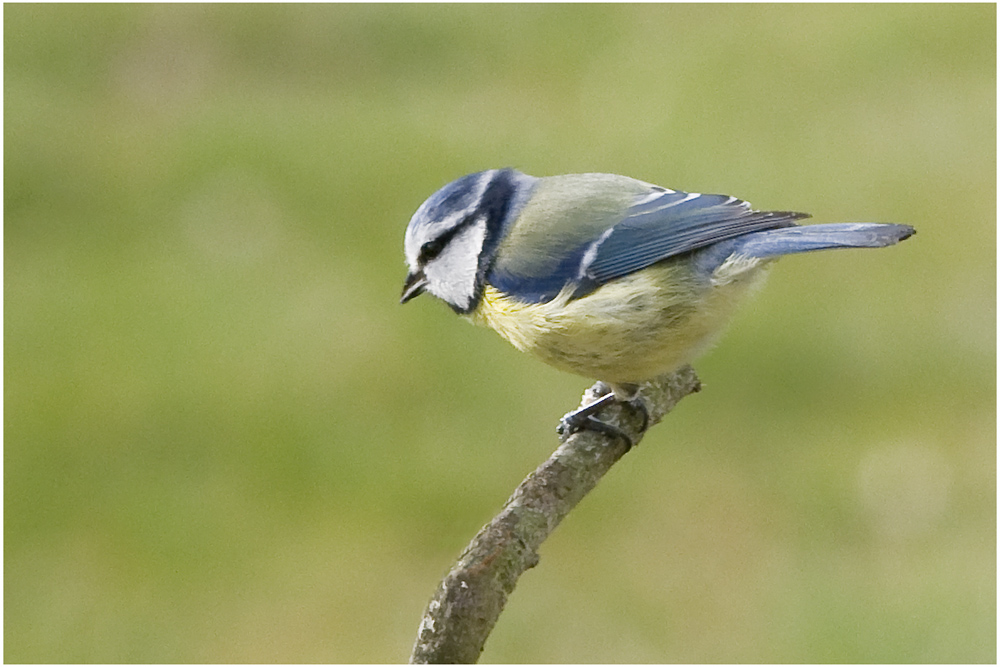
[670, 224]
[659, 224]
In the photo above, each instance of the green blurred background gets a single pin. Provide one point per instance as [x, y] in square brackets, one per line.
[226, 441]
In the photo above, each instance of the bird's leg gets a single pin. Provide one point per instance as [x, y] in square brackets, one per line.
[628, 394]
[584, 417]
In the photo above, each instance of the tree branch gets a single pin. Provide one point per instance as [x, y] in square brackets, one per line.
[469, 599]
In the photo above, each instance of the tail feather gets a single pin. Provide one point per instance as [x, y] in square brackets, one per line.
[789, 240]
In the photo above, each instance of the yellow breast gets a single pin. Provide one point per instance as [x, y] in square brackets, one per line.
[627, 331]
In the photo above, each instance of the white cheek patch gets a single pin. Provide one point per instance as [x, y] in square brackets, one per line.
[451, 275]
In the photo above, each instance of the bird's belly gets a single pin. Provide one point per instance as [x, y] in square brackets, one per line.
[629, 330]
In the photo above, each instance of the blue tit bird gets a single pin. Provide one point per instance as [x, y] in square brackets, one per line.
[601, 275]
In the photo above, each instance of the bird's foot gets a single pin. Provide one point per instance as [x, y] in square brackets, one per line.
[637, 404]
[585, 417]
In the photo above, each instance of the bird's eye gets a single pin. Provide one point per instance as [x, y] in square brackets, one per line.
[431, 249]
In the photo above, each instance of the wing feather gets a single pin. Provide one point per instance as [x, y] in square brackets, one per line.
[658, 225]
[635, 244]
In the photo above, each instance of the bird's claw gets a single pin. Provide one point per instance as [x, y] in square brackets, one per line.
[591, 423]
[584, 418]
[639, 406]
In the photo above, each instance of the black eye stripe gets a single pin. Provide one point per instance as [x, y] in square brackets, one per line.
[433, 248]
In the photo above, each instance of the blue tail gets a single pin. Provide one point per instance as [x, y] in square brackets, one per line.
[789, 240]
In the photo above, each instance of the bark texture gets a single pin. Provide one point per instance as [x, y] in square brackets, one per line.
[469, 600]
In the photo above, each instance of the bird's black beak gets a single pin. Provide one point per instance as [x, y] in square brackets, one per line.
[414, 286]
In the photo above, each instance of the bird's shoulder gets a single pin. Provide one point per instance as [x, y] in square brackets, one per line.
[563, 214]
